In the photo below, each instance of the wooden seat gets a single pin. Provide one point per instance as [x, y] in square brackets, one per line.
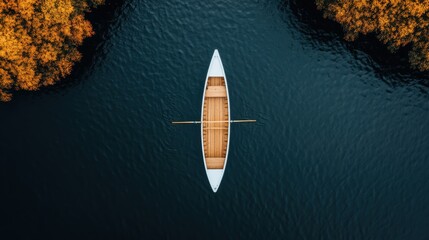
[215, 163]
[216, 91]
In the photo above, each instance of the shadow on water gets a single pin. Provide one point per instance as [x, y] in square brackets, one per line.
[20, 211]
[392, 68]
[20, 205]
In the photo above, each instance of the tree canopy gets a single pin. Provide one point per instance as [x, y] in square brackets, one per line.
[39, 40]
[396, 23]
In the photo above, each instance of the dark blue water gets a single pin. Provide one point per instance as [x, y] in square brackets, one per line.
[340, 150]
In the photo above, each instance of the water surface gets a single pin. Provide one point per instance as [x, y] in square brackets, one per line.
[340, 150]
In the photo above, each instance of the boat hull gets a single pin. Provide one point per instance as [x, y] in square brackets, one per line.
[215, 122]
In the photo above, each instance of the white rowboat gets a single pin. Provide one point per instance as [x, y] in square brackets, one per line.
[215, 122]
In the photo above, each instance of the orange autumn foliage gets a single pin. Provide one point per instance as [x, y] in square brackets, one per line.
[396, 23]
[39, 40]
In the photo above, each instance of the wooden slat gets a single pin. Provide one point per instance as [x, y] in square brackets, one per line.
[215, 163]
[216, 81]
[215, 134]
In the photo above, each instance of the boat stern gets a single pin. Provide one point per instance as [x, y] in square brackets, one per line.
[215, 177]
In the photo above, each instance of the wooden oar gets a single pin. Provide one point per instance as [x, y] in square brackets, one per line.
[198, 122]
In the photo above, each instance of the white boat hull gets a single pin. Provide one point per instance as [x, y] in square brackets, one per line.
[214, 166]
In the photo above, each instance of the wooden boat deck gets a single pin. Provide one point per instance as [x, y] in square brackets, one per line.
[215, 134]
